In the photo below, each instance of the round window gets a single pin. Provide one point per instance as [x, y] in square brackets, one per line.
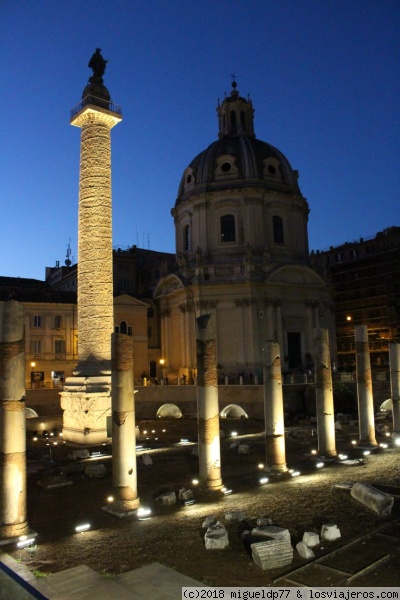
[188, 178]
[226, 167]
[271, 169]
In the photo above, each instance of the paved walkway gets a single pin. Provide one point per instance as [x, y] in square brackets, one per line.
[152, 582]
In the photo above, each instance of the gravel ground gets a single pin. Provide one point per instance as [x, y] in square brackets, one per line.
[174, 535]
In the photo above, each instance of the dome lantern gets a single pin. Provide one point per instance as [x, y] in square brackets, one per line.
[235, 115]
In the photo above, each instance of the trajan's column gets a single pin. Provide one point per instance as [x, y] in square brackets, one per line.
[86, 399]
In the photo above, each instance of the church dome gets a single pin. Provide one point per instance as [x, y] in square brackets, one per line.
[237, 158]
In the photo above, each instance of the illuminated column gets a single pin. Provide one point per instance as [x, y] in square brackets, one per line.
[13, 518]
[207, 405]
[273, 410]
[394, 358]
[324, 395]
[86, 397]
[95, 258]
[123, 429]
[364, 387]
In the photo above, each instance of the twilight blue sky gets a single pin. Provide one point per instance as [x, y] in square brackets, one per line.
[323, 76]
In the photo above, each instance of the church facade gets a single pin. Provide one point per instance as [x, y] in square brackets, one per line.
[242, 249]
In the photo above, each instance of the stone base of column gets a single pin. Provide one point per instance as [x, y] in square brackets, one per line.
[9, 532]
[122, 509]
[210, 487]
[86, 402]
[275, 454]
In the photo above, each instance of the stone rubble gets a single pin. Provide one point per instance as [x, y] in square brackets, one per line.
[216, 537]
[272, 554]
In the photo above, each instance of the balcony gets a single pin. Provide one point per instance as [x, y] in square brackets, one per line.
[101, 102]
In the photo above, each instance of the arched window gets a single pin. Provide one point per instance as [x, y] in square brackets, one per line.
[233, 122]
[186, 238]
[228, 233]
[123, 328]
[277, 224]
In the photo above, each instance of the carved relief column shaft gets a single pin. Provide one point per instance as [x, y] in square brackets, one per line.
[95, 259]
[13, 518]
[324, 395]
[273, 410]
[207, 405]
[364, 387]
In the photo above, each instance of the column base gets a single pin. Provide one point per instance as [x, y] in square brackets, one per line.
[123, 509]
[10, 532]
[86, 402]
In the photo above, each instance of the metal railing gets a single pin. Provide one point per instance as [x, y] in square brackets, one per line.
[101, 102]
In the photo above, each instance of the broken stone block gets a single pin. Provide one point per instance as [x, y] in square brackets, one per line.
[96, 470]
[311, 539]
[167, 499]
[272, 554]
[235, 515]
[216, 537]
[210, 521]
[147, 460]
[330, 532]
[304, 550]
[263, 521]
[185, 494]
[374, 499]
[272, 531]
[243, 449]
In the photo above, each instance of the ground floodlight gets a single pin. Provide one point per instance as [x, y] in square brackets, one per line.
[22, 543]
[82, 528]
[143, 513]
[319, 465]
[264, 480]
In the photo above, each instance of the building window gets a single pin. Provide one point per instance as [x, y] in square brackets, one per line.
[186, 238]
[37, 321]
[36, 346]
[59, 346]
[123, 285]
[277, 225]
[58, 321]
[150, 312]
[228, 233]
[129, 330]
[123, 327]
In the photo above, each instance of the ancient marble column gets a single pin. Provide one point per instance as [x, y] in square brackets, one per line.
[273, 410]
[394, 359]
[124, 469]
[207, 405]
[86, 399]
[364, 388]
[13, 517]
[324, 395]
